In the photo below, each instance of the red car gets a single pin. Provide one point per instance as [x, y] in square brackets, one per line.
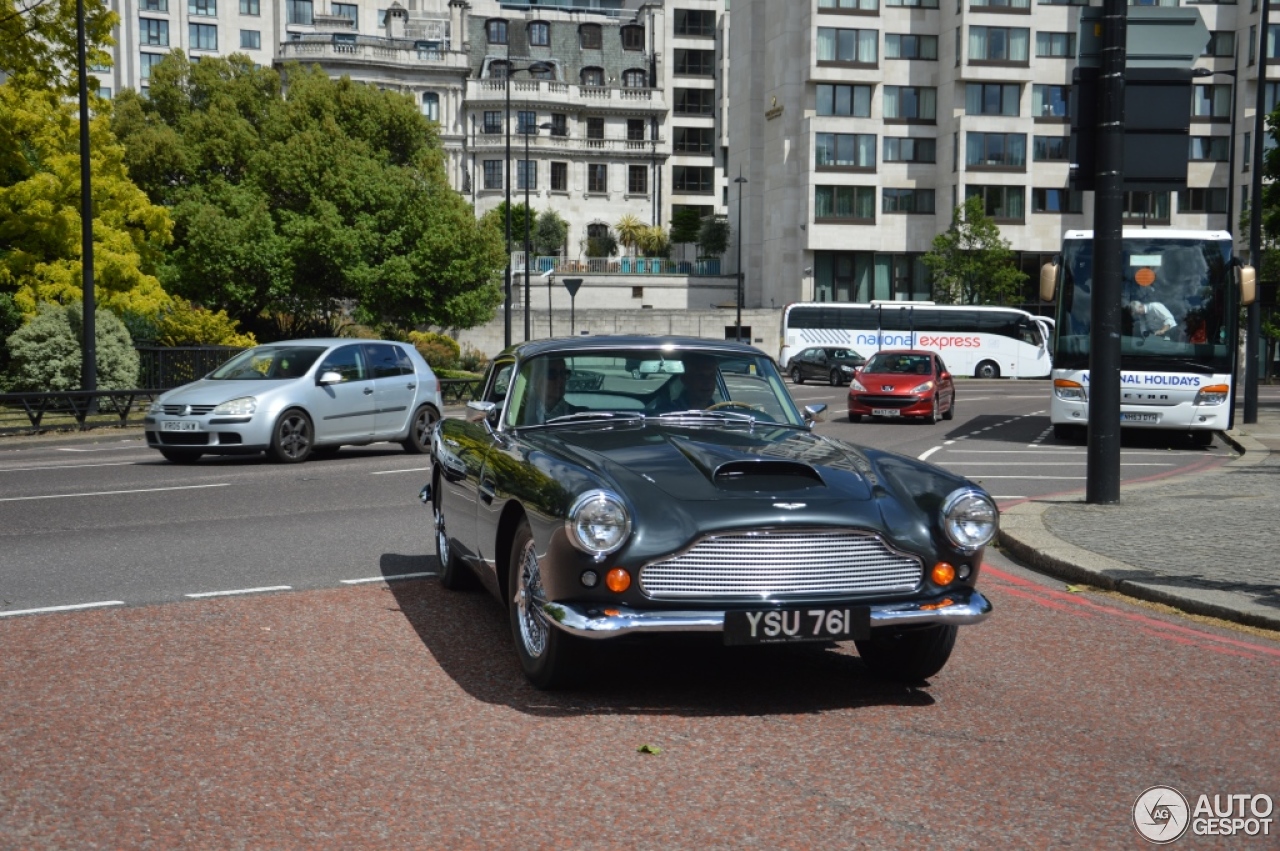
[902, 383]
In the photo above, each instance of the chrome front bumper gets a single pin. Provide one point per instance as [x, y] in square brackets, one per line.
[967, 606]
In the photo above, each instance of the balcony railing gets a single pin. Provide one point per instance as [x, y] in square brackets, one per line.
[625, 266]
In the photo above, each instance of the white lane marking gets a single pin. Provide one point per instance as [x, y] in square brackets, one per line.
[1058, 463]
[388, 578]
[64, 466]
[111, 493]
[926, 455]
[62, 608]
[241, 591]
[407, 470]
[100, 448]
[1034, 478]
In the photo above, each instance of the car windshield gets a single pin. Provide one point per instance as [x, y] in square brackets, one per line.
[890, 363]
[268, 363]
[845, 354]
[649, 382]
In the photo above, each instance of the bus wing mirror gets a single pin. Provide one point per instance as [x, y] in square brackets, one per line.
[1248, 285]
[1048, 281]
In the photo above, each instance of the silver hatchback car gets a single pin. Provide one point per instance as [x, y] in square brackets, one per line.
[299, 398]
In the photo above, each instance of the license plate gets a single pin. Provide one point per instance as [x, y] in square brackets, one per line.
[778, 626]
[1139, 418]
[179, 425]
[885, 412]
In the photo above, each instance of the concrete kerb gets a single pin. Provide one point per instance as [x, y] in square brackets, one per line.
[1025, 536]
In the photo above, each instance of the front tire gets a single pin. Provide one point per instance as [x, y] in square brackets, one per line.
[796, 376]
[292, 438]
[1070, 433]
[908, 655]
[932, 416]
[855, 418]
[454, 574]
[835, 378]
[419, 440]
[550, 657]
[181, 456]
[1202, 438]
[951, 410]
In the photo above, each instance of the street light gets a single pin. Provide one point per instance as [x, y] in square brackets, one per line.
[740, 180]
[506, 179]
[527, 216]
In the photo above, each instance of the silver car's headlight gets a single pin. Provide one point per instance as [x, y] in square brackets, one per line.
[970, 519]
[157, 407]
[242, 407]
[598, 523]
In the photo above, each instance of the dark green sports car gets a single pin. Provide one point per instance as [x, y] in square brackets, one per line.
[610, 486]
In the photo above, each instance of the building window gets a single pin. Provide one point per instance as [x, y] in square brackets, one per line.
[202, 7]
[635, 78]
[1212, 102]
[1056, 201]
[855, 46]
[856, 150]
[692, 140]
[638, 179]
[203, 36]
[539, 33]
[1221, 44]
[910, 103]
[1210, 148]
[1273, 43]
[632, 38]
[1007, 203]
[695, 102]
[154, 32]
[1050, 101]
[597, 177]
[590, 37]
[991, 98]
[493, 174]
[591, 76]
[906, 200]
[526, 175]
[526, 122]
[905, 150]
[495, 31]
[250, 40]
[147, 62]
[852, 101]
[154, 5]
[1066, 2]
[559, 177]
[854, 203]
[915, 4]
[848, 5]
[1146, 206]
[431, 106]
[492, 123]
[999, 44]
[696, 22]
[903, 46]
[635, 129]
[595, 128]
[694, 180]
[559, 124]
[1202, 200]
[866, 275]
[1005, 150]
[298, 12]
[1050, 148]
[695, 63]
[1056, 45]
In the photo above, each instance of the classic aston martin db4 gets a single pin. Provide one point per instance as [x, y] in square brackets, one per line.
[610, 486]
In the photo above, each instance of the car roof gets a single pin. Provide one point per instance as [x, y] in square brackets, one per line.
[573, 345]
[327, 341]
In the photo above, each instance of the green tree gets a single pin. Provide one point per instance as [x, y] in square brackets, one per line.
[302, 208]
[713, 236]
[630, 230]
[38, 41]
[40, 246]
[549, 233]
[971, 263]
[685, 225]
[46, 353]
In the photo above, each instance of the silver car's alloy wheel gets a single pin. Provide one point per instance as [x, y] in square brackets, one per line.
[529, 596]
[292, 442]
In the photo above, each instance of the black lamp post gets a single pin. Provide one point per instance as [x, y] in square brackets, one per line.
[528, 329]
[741, 181]
[506, 179]
[88, 348]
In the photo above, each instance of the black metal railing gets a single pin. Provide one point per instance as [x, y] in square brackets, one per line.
[171, 366]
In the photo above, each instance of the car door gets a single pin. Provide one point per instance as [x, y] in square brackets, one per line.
[946, 387]
[344, 410]
[394, 391]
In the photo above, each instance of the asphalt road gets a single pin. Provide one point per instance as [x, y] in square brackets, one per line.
[343, 713]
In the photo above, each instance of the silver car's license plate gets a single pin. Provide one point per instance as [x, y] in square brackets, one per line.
[885, 412]
[179, 425]
[776, 626]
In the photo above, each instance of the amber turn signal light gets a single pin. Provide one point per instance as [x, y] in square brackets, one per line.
[617, 580]
[943, 574]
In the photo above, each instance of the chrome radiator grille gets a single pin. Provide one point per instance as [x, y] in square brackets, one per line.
[793, 563]
[181, 410]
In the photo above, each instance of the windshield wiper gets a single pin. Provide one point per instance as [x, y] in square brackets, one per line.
[589, 416]
[698, 414]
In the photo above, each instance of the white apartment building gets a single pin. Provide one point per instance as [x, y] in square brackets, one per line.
[860, 124]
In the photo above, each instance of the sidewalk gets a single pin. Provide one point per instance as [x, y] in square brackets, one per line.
[1205, 543]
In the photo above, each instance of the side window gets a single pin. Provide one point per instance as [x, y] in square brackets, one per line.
[345, 361]
[942, 367]
[382, 360]
[404, 361]
[499, 382]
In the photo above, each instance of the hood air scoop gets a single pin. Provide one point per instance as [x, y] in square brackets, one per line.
[766, 475]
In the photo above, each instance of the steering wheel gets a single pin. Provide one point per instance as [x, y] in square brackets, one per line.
[733, 404]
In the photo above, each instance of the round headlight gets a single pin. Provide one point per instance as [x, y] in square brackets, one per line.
[242, 407]
[970, 519]
[598, 523]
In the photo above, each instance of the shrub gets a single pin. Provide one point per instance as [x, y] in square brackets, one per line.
[439, 350]
[472, 359]
[184, 324]
[46, 353]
